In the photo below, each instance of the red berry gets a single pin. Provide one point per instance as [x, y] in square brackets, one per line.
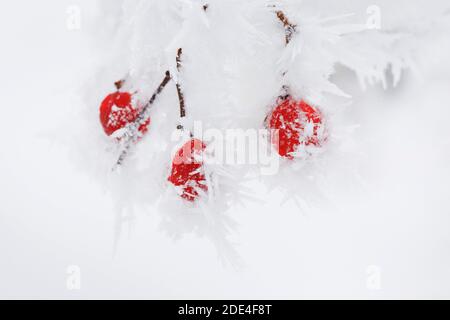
[187, 170]
[117, 110]
[298, 123]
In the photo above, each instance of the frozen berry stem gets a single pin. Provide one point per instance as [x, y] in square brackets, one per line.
[289, 27]
[179, 90]
[178, 84]
[119, 84]
[290, 30]
[142, 118]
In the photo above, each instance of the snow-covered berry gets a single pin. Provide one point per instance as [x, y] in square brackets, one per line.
[296, 123]
[187, 170]
[117, 110]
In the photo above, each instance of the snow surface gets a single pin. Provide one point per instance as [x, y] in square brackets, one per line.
[376, 197]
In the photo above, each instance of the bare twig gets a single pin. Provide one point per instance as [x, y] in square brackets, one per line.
[290, 28]
[131, 136]
[179, 90]
[119, 84]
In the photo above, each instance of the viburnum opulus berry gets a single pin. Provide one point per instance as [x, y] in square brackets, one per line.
[117, 110]
[296, 124]
[187, 172]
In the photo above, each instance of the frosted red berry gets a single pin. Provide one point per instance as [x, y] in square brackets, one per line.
[297, 123]
[187, 170]
[117, 110]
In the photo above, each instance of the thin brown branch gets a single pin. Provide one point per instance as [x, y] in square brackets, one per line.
[119, 84]
[159, 90]
[141, 119]
[179, 53]
[179, 89]
[289, 27]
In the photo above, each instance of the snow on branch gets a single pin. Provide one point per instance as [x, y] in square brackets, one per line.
[290, 28]
[179, 90]
[131, 134]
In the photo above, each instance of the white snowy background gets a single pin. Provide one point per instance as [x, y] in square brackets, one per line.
[376, 207]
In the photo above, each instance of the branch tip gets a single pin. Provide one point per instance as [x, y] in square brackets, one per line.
[289, 27]
[119, 84]
[178, 85]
